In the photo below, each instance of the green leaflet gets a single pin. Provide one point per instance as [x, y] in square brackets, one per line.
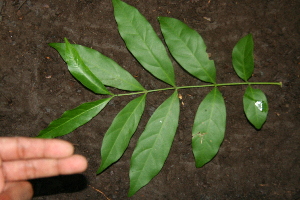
[154, 144]
[72, 119]
[107, 70]
[143, 42]
[188, 48]
[121, 130]
[209, 127]
[242, 57]
[255, 106]
[81, 72]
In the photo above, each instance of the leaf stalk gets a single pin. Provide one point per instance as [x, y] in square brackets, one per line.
[200, 86]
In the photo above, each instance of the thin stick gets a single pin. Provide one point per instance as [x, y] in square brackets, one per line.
[21, 4]
[100, 192]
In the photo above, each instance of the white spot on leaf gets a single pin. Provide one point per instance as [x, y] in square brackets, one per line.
[259, 105]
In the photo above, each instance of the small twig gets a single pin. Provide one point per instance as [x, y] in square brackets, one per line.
[100, 192]
[21, 4]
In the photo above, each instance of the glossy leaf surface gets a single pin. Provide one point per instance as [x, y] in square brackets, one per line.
[81, 72]
[154, 144]
[72, 119]
[188, 48]
[255, 106]
[143, 42]
[104, 68]
[118, 135]
[242, 57]
[209, 127]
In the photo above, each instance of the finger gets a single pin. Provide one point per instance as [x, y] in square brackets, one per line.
[2, 181]
[17, 190]
[15, 148]
[30, 169]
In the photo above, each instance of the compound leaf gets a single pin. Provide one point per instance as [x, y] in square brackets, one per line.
[107, 70]
[255, 106]
[242, 57]
[209, 127]
[188, 48]
[143, 42]
[118, 135]
[154, 144]
[72, 119]
[81, 72]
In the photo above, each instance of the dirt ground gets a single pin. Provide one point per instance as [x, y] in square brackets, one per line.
[37, 88]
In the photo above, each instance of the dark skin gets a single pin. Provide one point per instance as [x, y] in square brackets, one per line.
[21, 159]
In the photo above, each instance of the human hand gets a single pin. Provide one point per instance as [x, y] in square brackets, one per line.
[28, 158]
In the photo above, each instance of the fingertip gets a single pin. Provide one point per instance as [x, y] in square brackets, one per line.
[59, 148]
[82, 163]
[73, 164]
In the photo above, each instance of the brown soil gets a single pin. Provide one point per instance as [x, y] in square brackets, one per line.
[37, 88]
